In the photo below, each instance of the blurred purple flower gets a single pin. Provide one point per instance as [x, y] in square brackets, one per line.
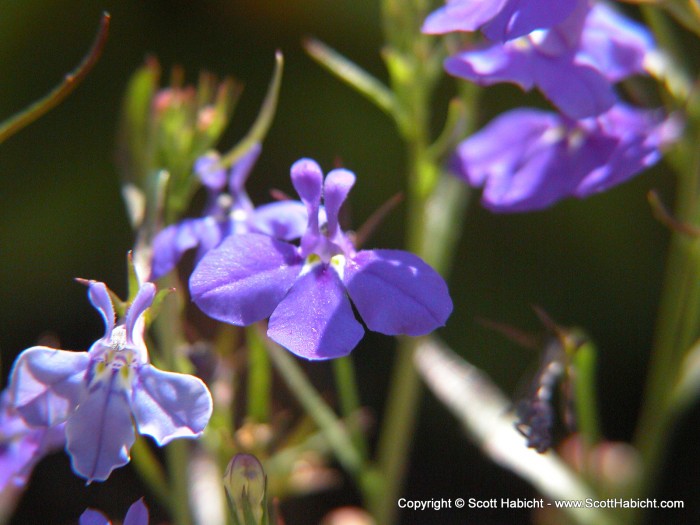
[529, 159]
[573, 64]
[225, 213]
[499, 20]
[97, 393]
[22, 446]
[136, 515]
[304, 290]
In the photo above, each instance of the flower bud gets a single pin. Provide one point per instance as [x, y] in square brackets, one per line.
[245, 484]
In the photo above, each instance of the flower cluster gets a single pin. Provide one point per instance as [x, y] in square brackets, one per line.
[91, 400]
[573, 52]
[306, 290]
[228, 210]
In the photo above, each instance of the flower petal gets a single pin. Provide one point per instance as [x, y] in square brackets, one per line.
[167, 405]
[100, 299]
[93, 517]
[245, 278]
[141, 303]
[137, 514]
[518, 18]
[461, 15]
[285, 220]
[396, 292]
[100, 432]
[315, 320]
[172, 242]
[338, 184]
[46, 384]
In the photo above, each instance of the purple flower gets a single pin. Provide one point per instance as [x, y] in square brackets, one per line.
[22, 446]
[225, 213]
[101, 393]
[573, 64]
[136, 515]
[304, 290]
[499, 20]
[529, 159]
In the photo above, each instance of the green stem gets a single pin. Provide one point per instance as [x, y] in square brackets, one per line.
[678, 324]
[177, 455]
[259, 377]
[346, 384]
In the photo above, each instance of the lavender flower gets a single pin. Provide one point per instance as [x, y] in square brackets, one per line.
[225, 213]
[136, 515]
[573, 64]
[97, 393]
[304, 290]
[22, 446]
[499, 20]
[529, 159]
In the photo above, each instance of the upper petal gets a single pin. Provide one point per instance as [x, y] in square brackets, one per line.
[396, 292]
[141, 303]
[46, 384]
[100, 433]
[462, 15]
[245, 278]
[167, 405]
[100, 299]
[338, 184]
[493, 64]
[315, 319]
[520, 17]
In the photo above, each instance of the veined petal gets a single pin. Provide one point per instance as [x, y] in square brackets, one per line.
[396, 292]
[100, 433]
[93, 517]
[285, 220]
[137, 514]
[244, 279]
[315, 320]
[46, 384]
[167, 405]
[100, 299]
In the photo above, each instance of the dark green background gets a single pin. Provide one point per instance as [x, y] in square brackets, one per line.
[596, 264]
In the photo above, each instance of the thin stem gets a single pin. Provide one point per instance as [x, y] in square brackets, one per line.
[259, 377]
[346, 384]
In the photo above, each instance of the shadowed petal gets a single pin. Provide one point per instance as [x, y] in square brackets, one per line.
[245, 278]
[93, 517]
[46, 384]
[284, 220]
[315, 319]
[100, 432]
[172, 242]
[167, 405]
[493, 64]
[396, 292]
[137, 514]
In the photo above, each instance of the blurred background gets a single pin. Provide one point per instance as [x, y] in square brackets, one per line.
[595, 264]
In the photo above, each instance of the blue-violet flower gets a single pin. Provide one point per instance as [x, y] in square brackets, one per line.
[304, 290]
[529, 159]
[573, 64]
[499, 20]
[225, 213]
[97, 393]
[21, 445]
